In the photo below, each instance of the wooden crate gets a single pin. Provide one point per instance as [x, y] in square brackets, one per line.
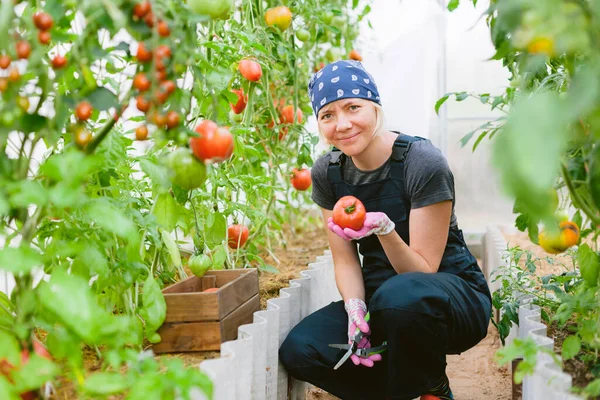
[198, 321]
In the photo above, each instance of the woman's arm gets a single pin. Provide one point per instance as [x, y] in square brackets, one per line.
[428, 229]
[348, 274]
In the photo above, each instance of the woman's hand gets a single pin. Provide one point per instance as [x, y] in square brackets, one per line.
[376, 223]
[357, 309]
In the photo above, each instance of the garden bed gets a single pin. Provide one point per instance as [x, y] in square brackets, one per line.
[563, 262]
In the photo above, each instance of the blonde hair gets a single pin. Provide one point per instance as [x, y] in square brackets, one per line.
[379, 125]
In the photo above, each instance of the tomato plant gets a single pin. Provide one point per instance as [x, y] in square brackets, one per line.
[349, 212]
[99, 214]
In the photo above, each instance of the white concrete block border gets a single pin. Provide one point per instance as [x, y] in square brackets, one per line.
[249, 366]
[548, 381]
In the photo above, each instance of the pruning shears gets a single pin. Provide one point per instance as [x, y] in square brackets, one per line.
[352, 348]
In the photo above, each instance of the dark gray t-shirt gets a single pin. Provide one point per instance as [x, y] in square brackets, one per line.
[427, 177]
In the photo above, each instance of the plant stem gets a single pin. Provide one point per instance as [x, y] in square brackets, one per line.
[583, 205]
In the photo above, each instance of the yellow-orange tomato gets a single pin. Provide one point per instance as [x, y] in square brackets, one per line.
[59, 62]
[280, 17]
[567, 236]
[541, 45]
[5, 61]
[143, 54]
[355, 55]
[141, 133]
[142, 104]
[82, 137]
[23, 49]
[44, 37]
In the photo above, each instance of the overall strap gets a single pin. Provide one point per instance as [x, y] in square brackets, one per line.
[399, 152]
[334, 169]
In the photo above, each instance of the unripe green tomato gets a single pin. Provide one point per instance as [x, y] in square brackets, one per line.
[8, 118]
[187, 171]
[303, 35]
[338, 21]
[236, 117]
[216, 9]
[199, 264]
[332, 54]
[327, 17]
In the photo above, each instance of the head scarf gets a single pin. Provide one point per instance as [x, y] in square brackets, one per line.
[342, 79]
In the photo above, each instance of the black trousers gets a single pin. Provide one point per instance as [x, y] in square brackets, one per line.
[422, 316]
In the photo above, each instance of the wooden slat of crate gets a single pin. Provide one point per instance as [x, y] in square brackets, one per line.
[203, 336]
[186, 302]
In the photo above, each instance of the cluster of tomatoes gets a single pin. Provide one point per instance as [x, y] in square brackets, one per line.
[152, 82]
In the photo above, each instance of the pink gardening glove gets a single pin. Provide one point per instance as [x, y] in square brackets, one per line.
[375, 223]
[357, 309]
[337, 229]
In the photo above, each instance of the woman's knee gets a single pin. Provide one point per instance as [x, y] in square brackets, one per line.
[412, 292]
[295, 351]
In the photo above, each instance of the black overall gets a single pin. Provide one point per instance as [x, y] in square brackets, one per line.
[422, 316]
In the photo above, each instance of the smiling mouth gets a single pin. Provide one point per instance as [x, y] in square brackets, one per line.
[348, 138]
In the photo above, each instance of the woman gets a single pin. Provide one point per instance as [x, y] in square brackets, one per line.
[423, 290]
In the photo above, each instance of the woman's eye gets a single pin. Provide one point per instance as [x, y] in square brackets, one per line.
[326, 116]
[354, 108]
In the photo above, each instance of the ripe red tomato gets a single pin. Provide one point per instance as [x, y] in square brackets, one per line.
[210, 290]
[42, 21]
[23, 49]
[143, 54]
[141, 82]
[163, 29]
[59, 62]
[237, 235]
[355, 55]
[142, 104]
[287, 115]
[301, 178]
[84, 111]
[4, 61]
[168, 86]
[280, 17]
[429, 397]
[141, 9]
[250, 70]
[186, 171]
[349, 212]
[149, 19]
[214, 144]
[240, 106]
[44, 37]
[172, 119]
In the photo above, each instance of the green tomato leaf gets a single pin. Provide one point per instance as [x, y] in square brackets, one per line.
[19, 260]
[219, 257]
[111, 218]
[105, 383]
[9, 348]
[440, 102]
[571, 347]
[7, 391]
[102, 99]
[154, 308]
[34, 373]
[172, 248]
[165, 211]
[158, 174]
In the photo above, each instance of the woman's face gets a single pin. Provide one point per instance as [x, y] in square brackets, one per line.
[348, 124]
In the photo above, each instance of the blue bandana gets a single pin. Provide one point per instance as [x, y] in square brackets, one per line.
[342, 79]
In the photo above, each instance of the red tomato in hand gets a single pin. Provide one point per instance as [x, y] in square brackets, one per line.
[301, 178]
[214, 144]
[237, 234]
[349, 212]
[240, 106]
[250, 70]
